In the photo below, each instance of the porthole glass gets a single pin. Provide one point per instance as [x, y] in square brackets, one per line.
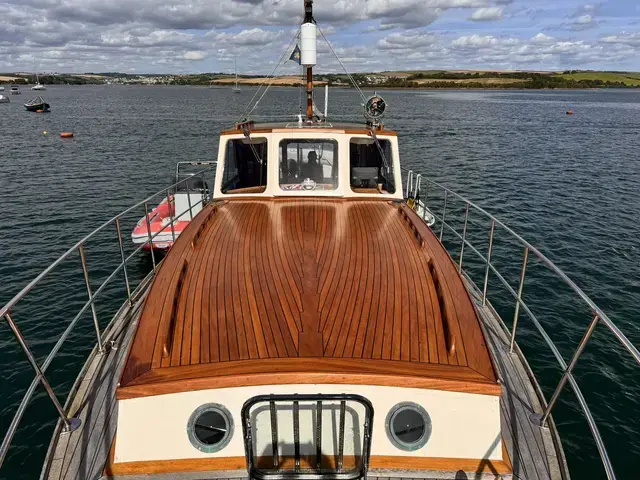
[210, 428]
[408, 426]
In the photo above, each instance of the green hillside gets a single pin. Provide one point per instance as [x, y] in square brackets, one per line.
[629, 79]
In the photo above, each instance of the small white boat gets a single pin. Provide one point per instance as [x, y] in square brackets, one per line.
[38, 85]
[1, 89]
[4, 99]
[15, 90]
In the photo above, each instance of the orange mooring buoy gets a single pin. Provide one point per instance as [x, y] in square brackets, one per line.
[569, 112]
[66, 134]
[39, 111]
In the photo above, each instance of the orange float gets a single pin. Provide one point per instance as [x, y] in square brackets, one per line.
[569, 112]
[66, 135]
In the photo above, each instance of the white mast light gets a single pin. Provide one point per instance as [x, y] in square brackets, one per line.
[308, 35]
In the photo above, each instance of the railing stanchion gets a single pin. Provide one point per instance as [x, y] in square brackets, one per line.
[444, 212]
[124, 261]
[518, 299]
[189, 202]
[146, 216]
[173, 232]
[204, 190]
[486, 271]
[94, 314]
[70, 424]
[464, 237]
[567, 372]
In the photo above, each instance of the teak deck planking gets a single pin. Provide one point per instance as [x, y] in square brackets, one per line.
[252, 280]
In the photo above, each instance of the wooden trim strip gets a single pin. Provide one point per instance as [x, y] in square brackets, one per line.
[308, 370]
[446, 326]
[203, 227]
[168, 342]
[151, 467]
[412, 227]
[438, 463]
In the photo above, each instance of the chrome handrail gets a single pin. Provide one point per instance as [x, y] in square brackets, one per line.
[70, 424]
[539, 419]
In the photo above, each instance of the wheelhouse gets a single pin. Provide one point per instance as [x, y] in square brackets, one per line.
[343, 160]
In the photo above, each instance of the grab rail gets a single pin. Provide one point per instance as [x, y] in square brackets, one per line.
[70, 423]
[414, 190]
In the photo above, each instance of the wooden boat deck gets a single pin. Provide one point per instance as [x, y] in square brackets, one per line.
[83, 454]
[326, 287]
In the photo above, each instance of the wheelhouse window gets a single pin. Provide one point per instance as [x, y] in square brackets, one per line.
[308, 165]
[245, 166]
[371, 166]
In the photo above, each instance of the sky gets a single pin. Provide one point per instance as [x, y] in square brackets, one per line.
[197, 36]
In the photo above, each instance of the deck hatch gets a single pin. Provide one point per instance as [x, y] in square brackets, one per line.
[307, 436]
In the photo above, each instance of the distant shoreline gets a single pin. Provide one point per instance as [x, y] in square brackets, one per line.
[406, 80]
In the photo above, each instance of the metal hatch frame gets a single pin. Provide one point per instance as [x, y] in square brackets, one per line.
[298, 473]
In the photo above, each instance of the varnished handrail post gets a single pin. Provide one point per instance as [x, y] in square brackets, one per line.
[444, 212]
[70, 424]
[124, 260]
[173, 232]
[464, 237]
[567, 372]
[486, 270]
[146, 216]
[518, 299]
[87, 282]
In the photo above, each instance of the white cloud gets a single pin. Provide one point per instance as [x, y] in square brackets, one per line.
[169, 36]
[631, 39]
[407, 40]
[584, 19]
[542, 38]
[486, 14]
[193, 55]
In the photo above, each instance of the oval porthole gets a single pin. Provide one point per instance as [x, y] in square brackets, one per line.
[408, 426]
[210, 428]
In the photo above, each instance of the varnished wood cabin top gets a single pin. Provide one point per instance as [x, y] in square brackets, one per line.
[300, 290]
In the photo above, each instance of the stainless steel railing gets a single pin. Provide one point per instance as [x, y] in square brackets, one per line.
[69, 423]
[417, 187]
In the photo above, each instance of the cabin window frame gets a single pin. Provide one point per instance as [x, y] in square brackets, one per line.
[251, 190]
[196, 442]
[391, 159]
[336, 167]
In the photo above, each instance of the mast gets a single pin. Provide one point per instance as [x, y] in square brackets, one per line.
[308, 51]
[235, 68]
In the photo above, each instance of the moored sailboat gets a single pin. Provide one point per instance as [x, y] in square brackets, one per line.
[38, 85]
[236, 89]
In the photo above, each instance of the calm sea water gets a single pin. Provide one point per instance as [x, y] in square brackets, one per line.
[569, 184]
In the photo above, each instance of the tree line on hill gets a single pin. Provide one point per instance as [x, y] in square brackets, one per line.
[436, 79]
